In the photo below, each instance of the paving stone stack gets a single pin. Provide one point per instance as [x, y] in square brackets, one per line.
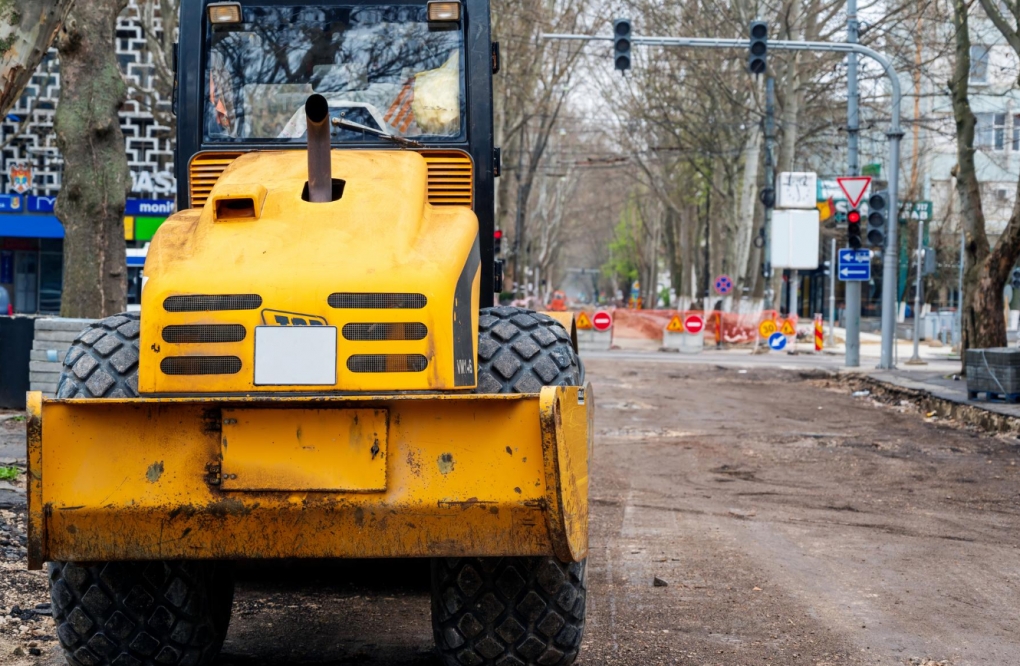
[53, 337]
[995, 370]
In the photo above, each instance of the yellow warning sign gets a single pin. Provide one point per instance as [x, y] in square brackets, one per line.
[675, 325]
[583, 323]
[767, 328]
[787, 328]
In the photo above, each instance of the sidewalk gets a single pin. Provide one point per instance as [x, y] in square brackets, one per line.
[943, 387]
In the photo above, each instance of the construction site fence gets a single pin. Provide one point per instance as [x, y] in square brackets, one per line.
[729, 328]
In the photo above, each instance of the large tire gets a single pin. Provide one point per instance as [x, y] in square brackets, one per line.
[158, 613]
[508, 611]
[103, 360]
[513, 611]
[520, 351]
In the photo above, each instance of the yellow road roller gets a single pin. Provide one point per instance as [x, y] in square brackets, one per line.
[317, 369]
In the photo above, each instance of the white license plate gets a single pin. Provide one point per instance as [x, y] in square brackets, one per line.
[295, 355]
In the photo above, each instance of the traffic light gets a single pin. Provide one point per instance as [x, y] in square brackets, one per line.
[758, 47]
[497, 242]
[1016, 278]
[621, 44]
[853, 228]
[878, 217]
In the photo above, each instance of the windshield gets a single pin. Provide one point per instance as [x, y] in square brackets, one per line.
[382, 66]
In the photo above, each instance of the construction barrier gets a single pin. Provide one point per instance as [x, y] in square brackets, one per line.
[721, 328]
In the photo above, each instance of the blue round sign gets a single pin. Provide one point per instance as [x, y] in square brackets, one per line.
[723, 285]
[777, 341]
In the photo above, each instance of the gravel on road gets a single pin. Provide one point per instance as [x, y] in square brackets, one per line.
[739, 516]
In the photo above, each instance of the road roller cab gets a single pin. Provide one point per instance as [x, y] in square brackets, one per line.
[317, 370]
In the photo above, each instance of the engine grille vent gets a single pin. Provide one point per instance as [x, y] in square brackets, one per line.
[450, 178]
[387, 363]
[204, 333]
[378, 332]
[203, 172]
[200, 365]
[347, 301]
[208, 303]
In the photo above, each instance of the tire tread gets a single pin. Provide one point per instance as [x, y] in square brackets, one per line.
[513, 611]
[103, 360]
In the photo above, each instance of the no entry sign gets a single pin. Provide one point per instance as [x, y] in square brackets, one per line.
[602, 320]
[694, 324]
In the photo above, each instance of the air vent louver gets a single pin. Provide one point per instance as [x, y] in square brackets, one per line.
[387, 363]
[349, 301]
[379, 332]
[209, 303]
[200, 365]
[199, 333]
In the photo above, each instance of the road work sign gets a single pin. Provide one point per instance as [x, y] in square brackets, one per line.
[767, 328]
[854, 265]
[777, 342]
[694, 324]
[854, 188]
[787, 328]
[675, 325]
[602, 320]
[582, 322]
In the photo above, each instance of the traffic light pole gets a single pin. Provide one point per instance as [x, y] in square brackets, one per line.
[853, 287]
[895, 133]
[770, 183]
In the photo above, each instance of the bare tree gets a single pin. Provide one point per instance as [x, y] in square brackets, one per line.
[987, 269]
[530, 93]
[158, 19]
[27, 28]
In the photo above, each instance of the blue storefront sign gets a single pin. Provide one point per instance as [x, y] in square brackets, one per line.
[149, 207]
[37, 204]
[10, 203]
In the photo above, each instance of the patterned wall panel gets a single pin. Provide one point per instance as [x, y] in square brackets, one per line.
[26, 135]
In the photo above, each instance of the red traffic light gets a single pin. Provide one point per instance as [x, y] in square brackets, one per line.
[497, 234]
[853, 217]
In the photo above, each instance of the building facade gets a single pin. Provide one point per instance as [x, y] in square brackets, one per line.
[31, 237]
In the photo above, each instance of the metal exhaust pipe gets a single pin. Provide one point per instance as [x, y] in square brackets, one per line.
[320, 170]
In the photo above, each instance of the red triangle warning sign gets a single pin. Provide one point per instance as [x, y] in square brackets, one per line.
[854, 187]
[583, 322]
[787, 328]
[675, 325]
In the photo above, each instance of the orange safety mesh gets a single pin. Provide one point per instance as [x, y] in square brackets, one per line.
[734, 328]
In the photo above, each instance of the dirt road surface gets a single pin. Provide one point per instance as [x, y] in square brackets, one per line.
[790, 522]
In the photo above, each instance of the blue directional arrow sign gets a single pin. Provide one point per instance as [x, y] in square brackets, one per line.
[777, 341]
[854, 265]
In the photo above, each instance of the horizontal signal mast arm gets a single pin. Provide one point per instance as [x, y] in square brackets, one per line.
[781, 45]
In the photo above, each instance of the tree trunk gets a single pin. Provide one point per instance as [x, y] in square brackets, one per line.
[672, 237]
[745, 276]
[95, 177]
[983, 322]
[27, 28]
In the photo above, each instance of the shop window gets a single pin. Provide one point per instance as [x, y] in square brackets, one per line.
[26, 281]
[51, 271]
